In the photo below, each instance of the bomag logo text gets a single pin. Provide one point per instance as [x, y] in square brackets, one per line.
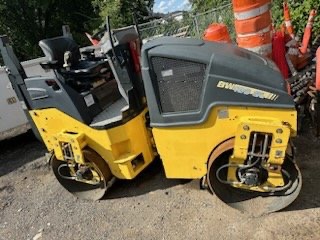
[247, 90]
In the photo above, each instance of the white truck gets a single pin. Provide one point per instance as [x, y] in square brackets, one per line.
[13, 120]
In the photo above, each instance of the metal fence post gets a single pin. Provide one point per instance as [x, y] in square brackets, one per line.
[196, 25]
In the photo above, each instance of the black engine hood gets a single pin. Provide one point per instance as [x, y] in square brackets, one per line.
[233, 77]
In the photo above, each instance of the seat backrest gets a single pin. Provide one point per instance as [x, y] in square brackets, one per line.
[54, 49]
[126, 34]
[11, 60]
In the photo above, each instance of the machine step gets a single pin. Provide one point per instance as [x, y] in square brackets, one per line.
[125, 158]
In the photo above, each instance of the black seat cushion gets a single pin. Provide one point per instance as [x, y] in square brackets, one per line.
[54, 49]
[86, 69]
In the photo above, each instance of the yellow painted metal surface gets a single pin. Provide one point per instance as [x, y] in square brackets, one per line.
[277, 130]
[118, 146]
[75, 139]
[185, 150]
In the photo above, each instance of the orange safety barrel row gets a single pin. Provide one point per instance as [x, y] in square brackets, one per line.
[253, 25]
[217, 32]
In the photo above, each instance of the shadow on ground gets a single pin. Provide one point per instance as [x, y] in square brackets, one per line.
[18, 151]
[308, 160]
[151, 179]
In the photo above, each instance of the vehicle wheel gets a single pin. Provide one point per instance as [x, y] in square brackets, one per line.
[252, 202]
[84, 188]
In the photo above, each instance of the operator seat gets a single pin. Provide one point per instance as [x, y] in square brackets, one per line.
[65, 58]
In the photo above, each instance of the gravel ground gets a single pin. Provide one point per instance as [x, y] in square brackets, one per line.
[34, 206]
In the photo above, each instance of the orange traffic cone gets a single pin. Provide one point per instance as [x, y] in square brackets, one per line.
[287, 19]
[307, 32]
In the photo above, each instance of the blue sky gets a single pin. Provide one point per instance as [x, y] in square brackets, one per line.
[165, 6]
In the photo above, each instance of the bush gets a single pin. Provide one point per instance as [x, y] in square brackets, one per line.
[299, 10]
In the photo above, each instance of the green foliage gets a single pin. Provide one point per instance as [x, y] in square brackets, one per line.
[221, 15]
[299, 10]
[199, 6]
[121, 11]
[28, 21]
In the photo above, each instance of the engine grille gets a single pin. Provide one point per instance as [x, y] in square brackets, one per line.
[178, 84]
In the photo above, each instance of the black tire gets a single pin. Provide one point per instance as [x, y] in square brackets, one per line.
[254, 203]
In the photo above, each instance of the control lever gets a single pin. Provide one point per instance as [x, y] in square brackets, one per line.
[67, 60]
[121, 63]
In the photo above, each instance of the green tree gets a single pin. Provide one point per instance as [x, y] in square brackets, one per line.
[299, 10]
[28, 21]
[199, 6]
[223, 15]
[120, 11]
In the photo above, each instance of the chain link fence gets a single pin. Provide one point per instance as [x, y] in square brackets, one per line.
[188, 25]
[223, 14]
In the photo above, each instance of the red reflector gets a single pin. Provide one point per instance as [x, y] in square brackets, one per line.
[51, 82]
[135, 57]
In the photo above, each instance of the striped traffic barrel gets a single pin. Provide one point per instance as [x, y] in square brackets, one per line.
[217, 32]
[253, 25]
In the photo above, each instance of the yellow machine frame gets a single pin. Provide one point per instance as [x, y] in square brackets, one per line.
[184, 150]
[121, 147]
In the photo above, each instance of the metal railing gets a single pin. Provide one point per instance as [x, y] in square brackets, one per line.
[187, 24]
[223, 14]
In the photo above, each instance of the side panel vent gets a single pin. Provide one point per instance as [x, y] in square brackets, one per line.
[178, 84]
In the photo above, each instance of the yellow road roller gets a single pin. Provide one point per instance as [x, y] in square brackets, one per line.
[209, 111]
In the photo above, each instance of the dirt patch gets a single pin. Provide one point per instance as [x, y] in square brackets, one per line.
[34, 206]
